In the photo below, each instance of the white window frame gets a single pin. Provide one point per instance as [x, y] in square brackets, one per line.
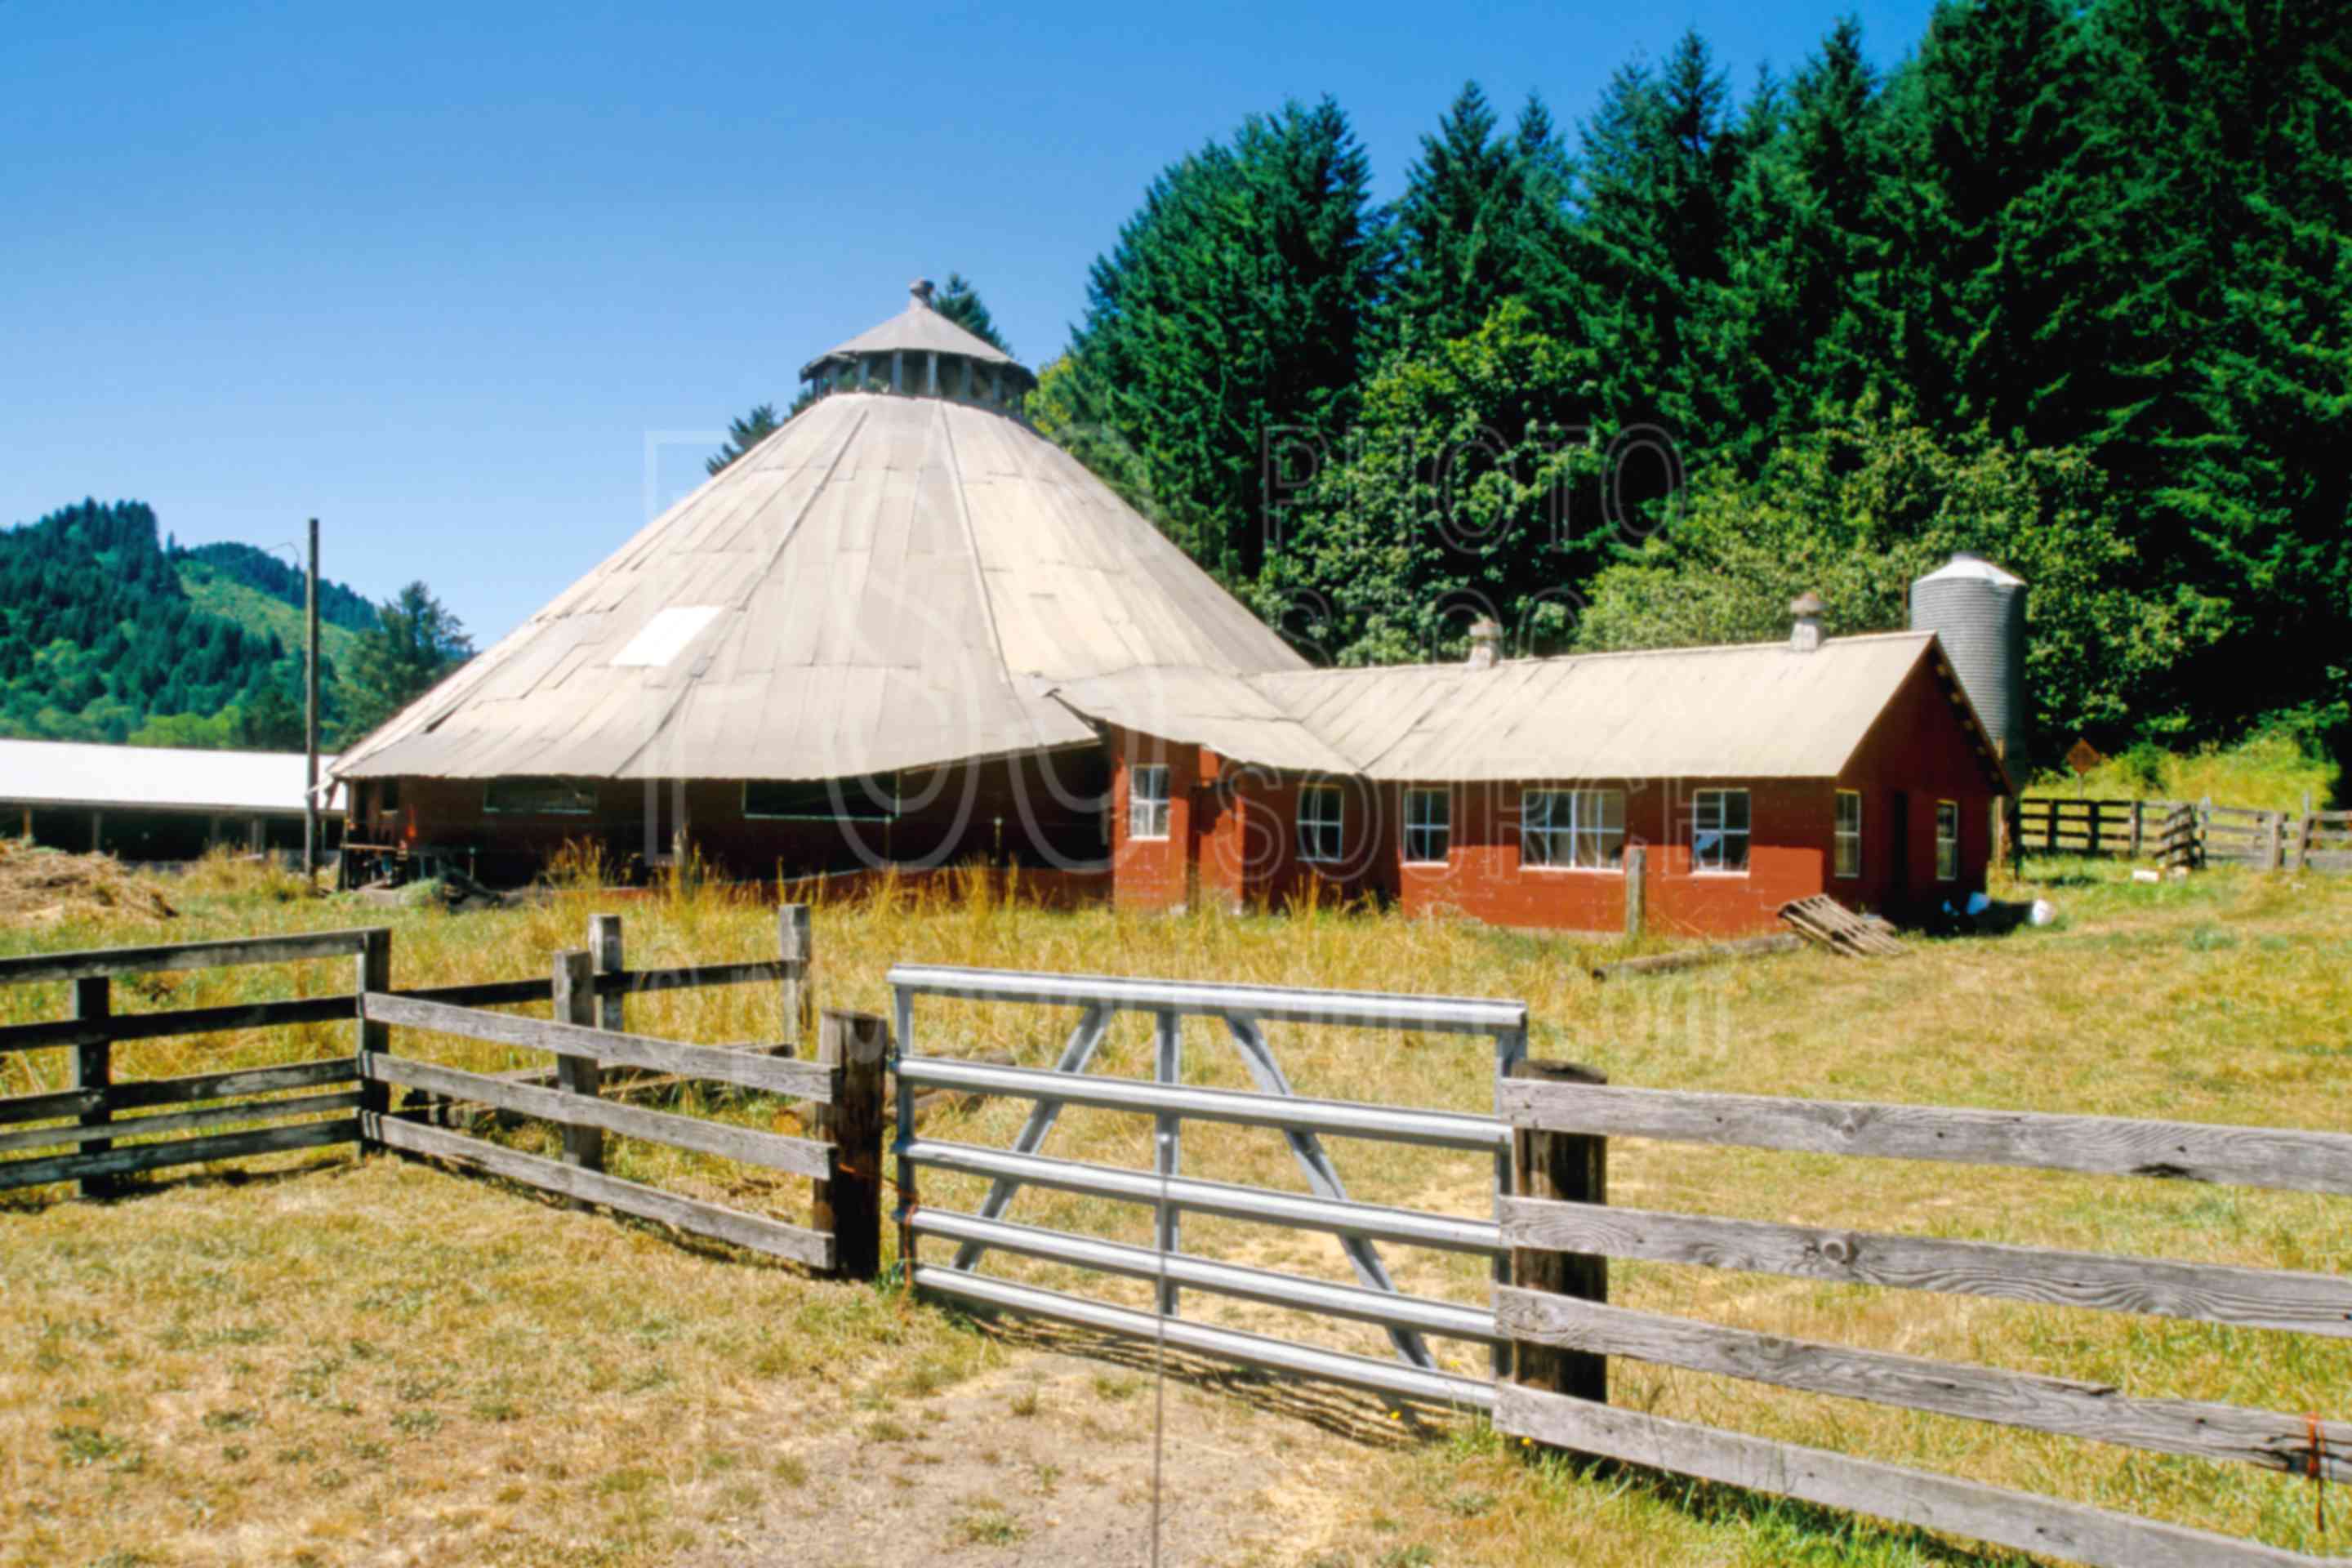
[1843, 838]
[1147, 811]
[1711, 860]
[1312, 826]
[1948, 845]
[1594, 843]
[1428, 839]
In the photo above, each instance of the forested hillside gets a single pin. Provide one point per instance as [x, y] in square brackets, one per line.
[2071, 285]
[110, 632]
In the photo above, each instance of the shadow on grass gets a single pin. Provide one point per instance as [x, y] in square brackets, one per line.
[152, 1184]
[1798, 1532]
[1343, 1413]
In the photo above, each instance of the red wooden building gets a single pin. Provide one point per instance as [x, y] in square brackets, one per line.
[1514, 792]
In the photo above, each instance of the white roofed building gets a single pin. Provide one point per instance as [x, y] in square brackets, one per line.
[154, 803]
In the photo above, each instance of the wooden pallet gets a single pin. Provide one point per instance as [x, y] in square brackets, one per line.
[1825, 921]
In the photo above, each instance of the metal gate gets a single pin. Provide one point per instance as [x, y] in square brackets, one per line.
[1358, 1227]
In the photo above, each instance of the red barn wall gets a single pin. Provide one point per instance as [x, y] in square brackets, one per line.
[1153, 873]
[1918, 749]
[1483, 877]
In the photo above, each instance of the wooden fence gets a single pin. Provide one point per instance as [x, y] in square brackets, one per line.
[310, 1105]
[1564, 1321]
[847, 1168]
[2184, 833]
[309, 1101]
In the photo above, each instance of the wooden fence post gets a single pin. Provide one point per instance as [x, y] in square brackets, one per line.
[2310, 831]
[374, 973]
[793, 946]
[2275, 846]
[575, 1003]
[2093, 828]
[93, 1069]
[849, 1204]
[1637, 868]
[1572, 1167]
[2139, 829]
[604, 942]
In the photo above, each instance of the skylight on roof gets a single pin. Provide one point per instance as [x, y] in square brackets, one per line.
[664, 637]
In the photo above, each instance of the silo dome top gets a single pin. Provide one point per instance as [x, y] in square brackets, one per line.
[1966, 563]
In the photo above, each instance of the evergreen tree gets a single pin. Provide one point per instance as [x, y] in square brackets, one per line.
[97, 634]
[1659, 163]
[1481, 221]
[417, 644]
[2000, 203]
[960, 303]
[744, 434]
[1225, 331]
[1806, 305]
[270, 721]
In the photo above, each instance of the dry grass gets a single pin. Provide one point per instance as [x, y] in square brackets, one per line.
[2222, 999]
[42, 887]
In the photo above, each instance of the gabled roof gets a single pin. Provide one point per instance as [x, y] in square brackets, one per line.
[871, 588]
[1754, 710]
[154, 778]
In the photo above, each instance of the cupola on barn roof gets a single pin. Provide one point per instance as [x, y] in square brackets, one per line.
[890, 581]
[920, 353]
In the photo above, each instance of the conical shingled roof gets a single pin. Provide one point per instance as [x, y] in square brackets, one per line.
[888, 582]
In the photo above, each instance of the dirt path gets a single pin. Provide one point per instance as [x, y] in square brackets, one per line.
[1048, 1459]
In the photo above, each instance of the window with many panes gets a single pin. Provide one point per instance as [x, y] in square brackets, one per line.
[1719, 830]
[1320, 820]
[1580, 829]
[1947, 840]
[1847, 860]
[1428, 825]
[1147, 802]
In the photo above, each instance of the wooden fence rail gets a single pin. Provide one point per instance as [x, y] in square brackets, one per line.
[1579, 1321]
[2184, 833]
[88, 1122]
[846, 1165]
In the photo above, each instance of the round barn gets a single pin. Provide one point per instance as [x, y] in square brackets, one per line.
[908, 631]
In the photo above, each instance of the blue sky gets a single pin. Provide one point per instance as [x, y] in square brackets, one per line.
[480, 286]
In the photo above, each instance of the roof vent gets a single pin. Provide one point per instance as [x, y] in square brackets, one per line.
[1806, 635]
[1485, 642]
[922, 289]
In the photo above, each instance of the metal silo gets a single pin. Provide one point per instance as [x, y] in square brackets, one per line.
[1979, 612]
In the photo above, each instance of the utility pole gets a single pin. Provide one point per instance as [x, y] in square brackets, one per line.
[310, 717]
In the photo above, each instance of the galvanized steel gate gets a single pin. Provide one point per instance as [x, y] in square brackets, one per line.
[1358, 1227]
